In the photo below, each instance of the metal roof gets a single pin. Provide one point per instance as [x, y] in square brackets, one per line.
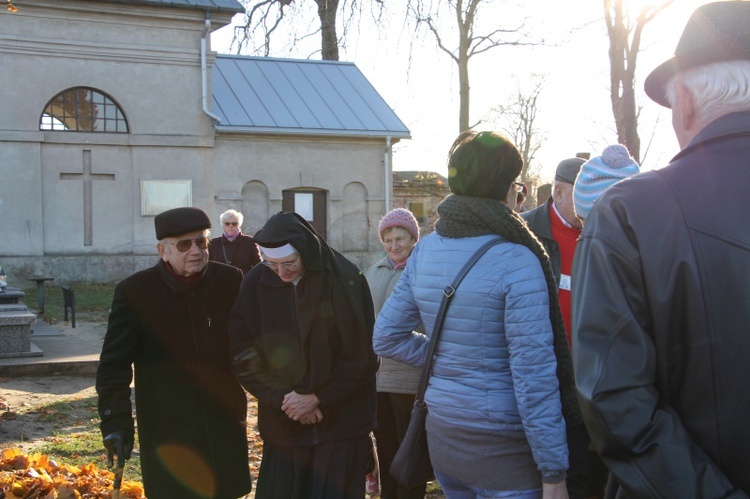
[289, 96]
[232, 6]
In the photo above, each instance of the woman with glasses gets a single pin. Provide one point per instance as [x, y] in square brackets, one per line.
[233, 247]
[301, 343]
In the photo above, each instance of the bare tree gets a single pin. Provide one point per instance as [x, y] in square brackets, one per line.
[518, 119]
[624, 33]
[265, 17]
[462, 43]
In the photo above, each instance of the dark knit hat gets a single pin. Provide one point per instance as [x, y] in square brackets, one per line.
[567, 170]
[715, 32]
[399, 217]
[179, 221]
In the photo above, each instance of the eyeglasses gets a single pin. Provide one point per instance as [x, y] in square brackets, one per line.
[286, 265]
[233, 224]
[519, 186]
[184, 245]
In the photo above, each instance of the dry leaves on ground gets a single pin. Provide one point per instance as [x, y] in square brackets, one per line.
[36, 476]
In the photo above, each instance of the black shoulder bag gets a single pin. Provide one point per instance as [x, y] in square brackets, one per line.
[411, 465]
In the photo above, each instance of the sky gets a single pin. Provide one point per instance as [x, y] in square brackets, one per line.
[420, 82]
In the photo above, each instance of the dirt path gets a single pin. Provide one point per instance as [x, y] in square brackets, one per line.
[35, 391]
[20, 423]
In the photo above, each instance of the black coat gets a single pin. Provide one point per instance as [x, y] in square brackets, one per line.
[191, 411]
[539, 223]
[241, 253]
[661, 317]
[315, 337]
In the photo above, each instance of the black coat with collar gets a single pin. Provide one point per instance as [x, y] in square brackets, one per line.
[315, 337]
[241, 253]
[188, 403]
[539, 223]
[661, 311]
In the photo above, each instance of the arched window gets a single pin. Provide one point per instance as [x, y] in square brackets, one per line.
[83, 109]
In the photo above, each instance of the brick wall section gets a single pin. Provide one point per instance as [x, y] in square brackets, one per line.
[420, 191]
[428, 189]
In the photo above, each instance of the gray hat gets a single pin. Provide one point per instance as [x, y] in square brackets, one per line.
[568, 169]
[179, 221]
[716, 32]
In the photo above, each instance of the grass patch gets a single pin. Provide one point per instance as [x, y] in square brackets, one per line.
[83, 411]
[93, 300]
[77, 440]
[86, 447]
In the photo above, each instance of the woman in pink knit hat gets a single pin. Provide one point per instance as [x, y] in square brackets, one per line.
[396, 381]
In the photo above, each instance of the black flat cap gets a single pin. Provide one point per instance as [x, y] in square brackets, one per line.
[716, 32]
[568, 169]
[179, 221]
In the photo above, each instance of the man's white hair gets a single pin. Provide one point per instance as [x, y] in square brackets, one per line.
[718, 89]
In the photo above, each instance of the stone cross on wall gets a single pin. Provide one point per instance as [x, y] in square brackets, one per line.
[88, 180]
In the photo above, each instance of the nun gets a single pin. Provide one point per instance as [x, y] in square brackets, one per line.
[301, 343]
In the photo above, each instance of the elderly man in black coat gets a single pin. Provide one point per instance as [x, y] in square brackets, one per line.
[169, 322]
[660, 284]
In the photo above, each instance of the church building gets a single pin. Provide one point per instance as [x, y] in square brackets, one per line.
[116, 110]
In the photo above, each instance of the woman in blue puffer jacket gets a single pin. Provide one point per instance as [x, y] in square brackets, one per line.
[495, 425]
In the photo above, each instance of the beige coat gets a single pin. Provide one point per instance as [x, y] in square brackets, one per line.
[393, 376]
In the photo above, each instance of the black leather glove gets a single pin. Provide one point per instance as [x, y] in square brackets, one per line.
[118, 443]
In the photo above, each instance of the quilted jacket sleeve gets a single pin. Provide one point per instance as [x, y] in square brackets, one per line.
[532, 362]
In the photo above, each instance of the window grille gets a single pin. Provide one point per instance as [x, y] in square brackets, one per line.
[83, 109]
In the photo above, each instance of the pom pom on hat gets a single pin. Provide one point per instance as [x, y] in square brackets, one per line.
[399, 217]
[599, 174]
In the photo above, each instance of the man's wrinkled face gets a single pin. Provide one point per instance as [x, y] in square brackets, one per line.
[562, 194]
[187, 253]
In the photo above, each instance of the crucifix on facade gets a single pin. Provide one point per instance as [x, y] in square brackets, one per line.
[88, 180]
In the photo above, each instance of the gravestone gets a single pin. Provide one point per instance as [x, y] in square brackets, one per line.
[15, 325]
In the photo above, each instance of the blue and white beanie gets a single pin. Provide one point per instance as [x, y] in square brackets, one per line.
[599, 174]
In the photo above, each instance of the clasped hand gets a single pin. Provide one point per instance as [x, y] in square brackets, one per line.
[302, 407]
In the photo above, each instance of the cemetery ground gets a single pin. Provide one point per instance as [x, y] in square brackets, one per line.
[55, 414]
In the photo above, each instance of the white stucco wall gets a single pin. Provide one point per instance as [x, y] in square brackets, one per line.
[147, 60]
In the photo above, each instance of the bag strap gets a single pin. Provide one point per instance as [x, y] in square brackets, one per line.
[448, 293]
